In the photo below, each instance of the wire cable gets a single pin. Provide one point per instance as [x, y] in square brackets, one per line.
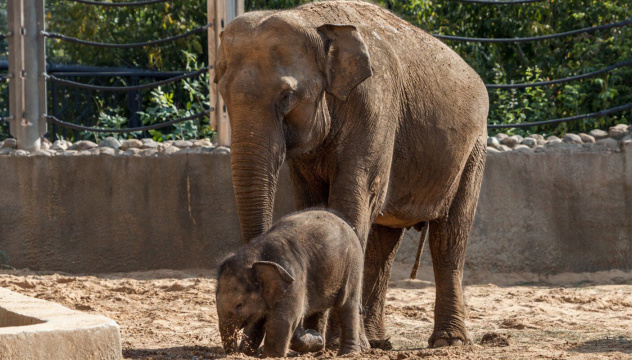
[483, 2]
[535, 38]
[193, 74]
[141, 128]
[558, 81]
[601, 113]
[122, 4]
[124, 46]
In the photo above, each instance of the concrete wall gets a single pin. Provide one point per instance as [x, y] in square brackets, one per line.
[564, 210]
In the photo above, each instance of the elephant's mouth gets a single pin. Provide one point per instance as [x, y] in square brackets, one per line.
[249, 320]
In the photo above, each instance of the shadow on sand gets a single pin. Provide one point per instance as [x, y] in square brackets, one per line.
[179, 352]
[609, 344]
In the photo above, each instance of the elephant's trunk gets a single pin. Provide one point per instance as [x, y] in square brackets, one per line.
[256, 161]
[229, 333]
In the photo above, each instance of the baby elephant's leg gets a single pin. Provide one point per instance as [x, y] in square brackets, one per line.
[279, 331]
[308, 340]
[349, 318]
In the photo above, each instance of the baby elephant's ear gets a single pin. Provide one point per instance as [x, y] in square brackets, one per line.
[274, 280]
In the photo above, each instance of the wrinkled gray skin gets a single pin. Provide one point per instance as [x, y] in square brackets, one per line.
[378, 120]
[307, 263]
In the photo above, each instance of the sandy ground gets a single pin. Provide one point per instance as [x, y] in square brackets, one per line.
[170, 314]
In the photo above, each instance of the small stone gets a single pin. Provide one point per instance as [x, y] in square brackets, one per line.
[5, 151]
[553, 140]
[512, 141]
[523, 148]
[131, 144]
[45, 145]
[573, 139]
[598, 134]
[587, 139]
[618, 131]
[43, 152]
[149, 144]
[492, 142]
[182, 144]
[539, 138]
[83, 145]
[87, 152]
[530, 142]
[20, 153]
[168, 150]
[503, 148]
[110, 142]
[221, 150]
[131, 151]
[202, 143]
[501, 136]
[107, 151]
[10, 143]
[60, 145]
[608, 143]
[67, 153]
[491, 150]
[149, 152]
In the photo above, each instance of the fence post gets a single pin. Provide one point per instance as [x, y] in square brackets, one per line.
[220, 13]
[27, 64]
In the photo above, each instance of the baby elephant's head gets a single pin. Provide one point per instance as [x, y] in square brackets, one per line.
[244, 295]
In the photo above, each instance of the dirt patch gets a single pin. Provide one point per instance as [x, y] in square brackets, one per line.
[168, 314]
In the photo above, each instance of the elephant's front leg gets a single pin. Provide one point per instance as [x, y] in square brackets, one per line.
[378, 258]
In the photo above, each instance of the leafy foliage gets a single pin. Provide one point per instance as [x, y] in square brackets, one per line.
[541, 60]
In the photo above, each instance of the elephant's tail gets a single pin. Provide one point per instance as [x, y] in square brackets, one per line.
[420, 249]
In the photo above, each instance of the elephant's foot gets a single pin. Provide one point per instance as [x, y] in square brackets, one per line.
[441, 338]
[344, 350]
[307, 341]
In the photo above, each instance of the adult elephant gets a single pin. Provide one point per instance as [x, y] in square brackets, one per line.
[378, 120]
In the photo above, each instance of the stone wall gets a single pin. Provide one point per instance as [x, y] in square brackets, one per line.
[563, 207]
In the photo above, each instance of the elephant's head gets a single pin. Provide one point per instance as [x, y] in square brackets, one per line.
[244, 295]
[273, 71]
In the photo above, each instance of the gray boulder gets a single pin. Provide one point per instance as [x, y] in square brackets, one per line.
[221, 150]
[530, 142]
[539, 138]
[10, 143]
[182, 144]
[110, 142]
[501, 136]
[60, 145]
[149, 144]
[492, 142]
[598, 134]
[512, 141]
[83, 145]
[608, 143]
[573, 139]
[587, 139]
[131, 144]
[618, 131]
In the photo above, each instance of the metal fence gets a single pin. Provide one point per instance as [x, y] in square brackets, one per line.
[28, 74]
[33, 82]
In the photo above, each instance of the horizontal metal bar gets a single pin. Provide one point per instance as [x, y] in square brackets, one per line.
[601, 113]
[492, 2]
[136, 129]
[534, 38]
[122, 4]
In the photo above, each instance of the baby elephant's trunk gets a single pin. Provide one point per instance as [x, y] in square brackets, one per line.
[229, 333]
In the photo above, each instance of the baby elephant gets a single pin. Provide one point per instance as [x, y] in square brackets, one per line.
[307, 263]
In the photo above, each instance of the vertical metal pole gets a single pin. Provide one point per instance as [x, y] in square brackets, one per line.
[27, 62]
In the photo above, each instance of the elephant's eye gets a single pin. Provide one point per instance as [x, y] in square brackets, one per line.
[288, 98]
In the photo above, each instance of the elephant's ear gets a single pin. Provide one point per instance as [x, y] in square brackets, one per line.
[274, 281]
[348, 62]
[220, 64]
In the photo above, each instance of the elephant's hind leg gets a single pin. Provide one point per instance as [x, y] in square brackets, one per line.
[380, 252]
[448, 239]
